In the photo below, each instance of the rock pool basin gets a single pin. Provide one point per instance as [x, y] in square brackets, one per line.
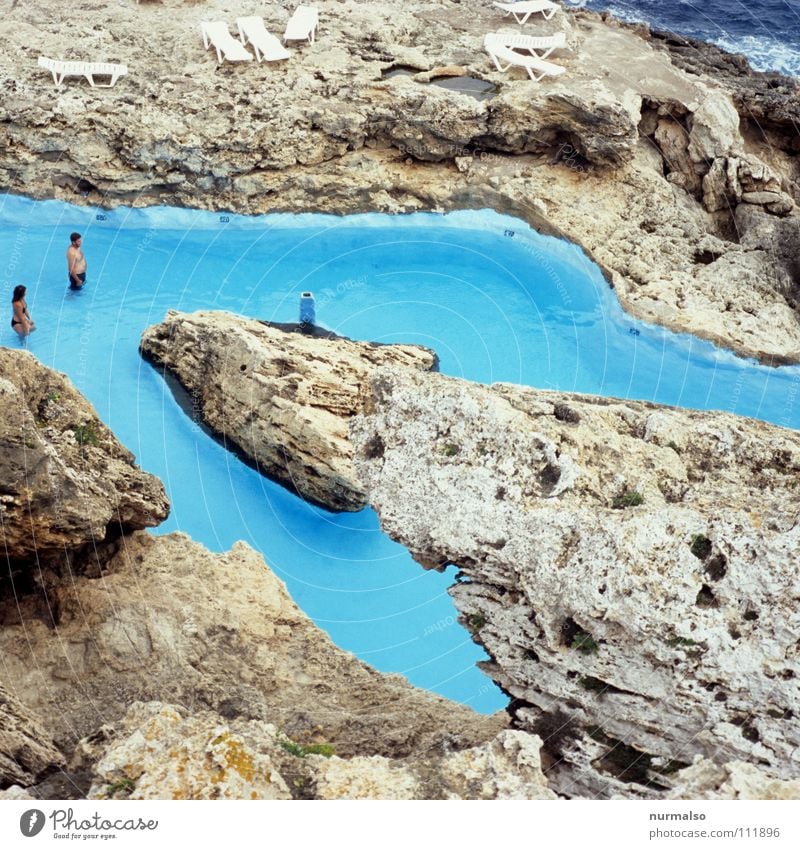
[495, 299]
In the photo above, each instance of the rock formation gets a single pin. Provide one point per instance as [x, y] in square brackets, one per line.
[68, 484]
[172, 622]
[159, 752]
[706, 780]
[276, 397]
[647, 169]
[27, 754]
[629, 568]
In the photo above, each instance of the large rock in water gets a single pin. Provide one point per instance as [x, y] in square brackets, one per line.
[283, 399]
[67, 483]
[631, 569]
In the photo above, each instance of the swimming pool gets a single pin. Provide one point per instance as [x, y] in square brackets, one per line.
[497, 301]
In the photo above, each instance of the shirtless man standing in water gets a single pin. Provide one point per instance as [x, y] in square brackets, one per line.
[76, 262]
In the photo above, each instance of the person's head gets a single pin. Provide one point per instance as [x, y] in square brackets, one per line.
[19, 293]
[75, 238]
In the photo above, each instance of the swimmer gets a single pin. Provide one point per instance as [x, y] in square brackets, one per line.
[21, 319]
[76, 262]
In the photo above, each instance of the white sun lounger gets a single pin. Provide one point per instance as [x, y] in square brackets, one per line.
[525, 8]
[540, 46]
[90, 70]
[536, 67]
[266, 45]
[302, 25]
[216, 34]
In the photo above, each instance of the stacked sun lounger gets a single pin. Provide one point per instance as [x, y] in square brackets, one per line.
[530, 52]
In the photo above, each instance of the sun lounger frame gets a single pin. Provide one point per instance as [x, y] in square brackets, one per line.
[61, 69]
[523, 9]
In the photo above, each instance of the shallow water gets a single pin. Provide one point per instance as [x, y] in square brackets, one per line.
[497, 301]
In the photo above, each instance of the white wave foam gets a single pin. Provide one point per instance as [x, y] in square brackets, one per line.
[764, 54]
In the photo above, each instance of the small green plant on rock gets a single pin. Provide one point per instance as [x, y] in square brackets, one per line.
[585, 643]
[673, 642]
[300, 751]
[475, 621]
[124, 785]
[85, 434]
[629, 498]
[450, 450]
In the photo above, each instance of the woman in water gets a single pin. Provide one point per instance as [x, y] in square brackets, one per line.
[20, 318]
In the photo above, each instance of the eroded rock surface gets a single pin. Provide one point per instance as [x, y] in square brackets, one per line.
[67, 483]
[283, 399]
[705, 779]
[160, 751]
[630, 569]
[27, 753]
[172, 622]
[644, 167]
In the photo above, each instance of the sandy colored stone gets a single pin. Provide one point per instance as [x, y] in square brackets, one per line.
[736, 780]
[170, 621]
[363, 778]
[68, 484]
[282, 398]
[665, 630]
[160, 753]
[27, 752]
[508, 767]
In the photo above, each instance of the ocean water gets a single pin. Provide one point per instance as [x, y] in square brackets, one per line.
[766, 31]
[496, 300]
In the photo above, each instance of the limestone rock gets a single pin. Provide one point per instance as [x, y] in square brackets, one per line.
[626, 635]
[762, 198]
[759, 231]
[716, 189]
[67, 481]
[715, 129]
[364, 778]
[27, 752]
[160, 753]
[736, 780]
[508, 767]
[672, 138]
[15, 793]
[171, 622]
[283, 399]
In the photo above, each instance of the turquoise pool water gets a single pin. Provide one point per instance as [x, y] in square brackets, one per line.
[497, 301]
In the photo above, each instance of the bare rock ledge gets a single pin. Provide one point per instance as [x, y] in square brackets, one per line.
[630, 569]
[282, 399]
[170, 621]
[68, 485]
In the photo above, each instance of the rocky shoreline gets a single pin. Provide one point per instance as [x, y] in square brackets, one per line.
[639, 613]
[678, 176]
[629, 568]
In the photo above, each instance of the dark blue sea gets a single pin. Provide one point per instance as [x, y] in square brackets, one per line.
[766, 31]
